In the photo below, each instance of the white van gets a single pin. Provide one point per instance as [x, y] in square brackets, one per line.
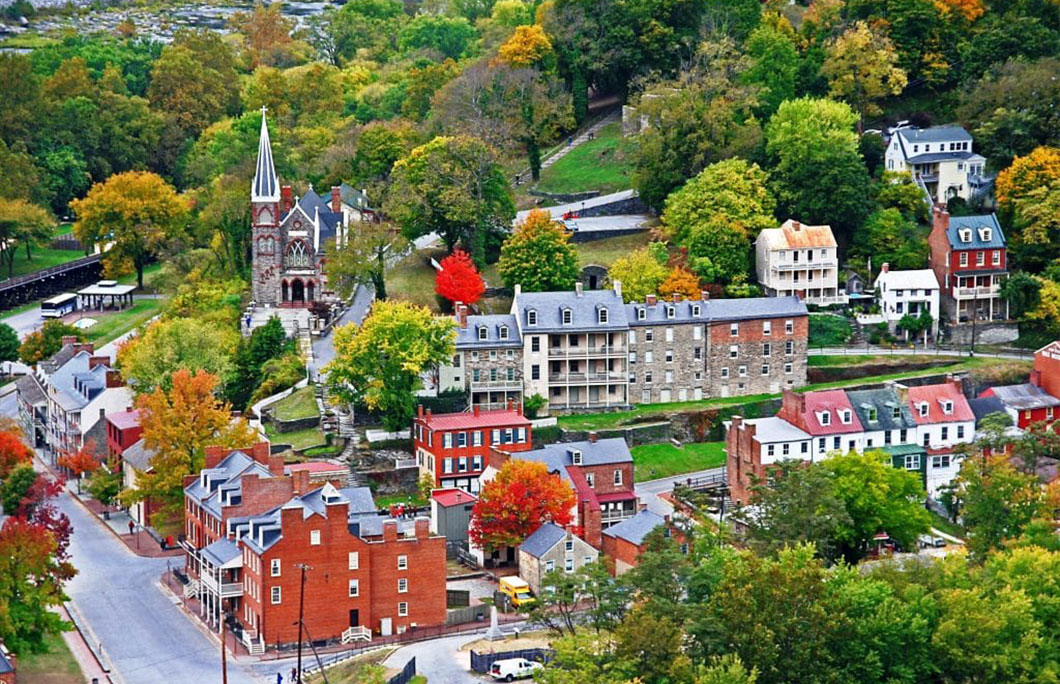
[514, 668]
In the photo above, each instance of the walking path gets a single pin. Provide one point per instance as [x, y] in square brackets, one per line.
[582, 137]
[916, 351]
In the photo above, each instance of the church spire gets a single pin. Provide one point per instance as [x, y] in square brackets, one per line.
[265, 187]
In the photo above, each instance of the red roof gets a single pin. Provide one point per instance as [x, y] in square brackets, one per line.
[125, 420]
[934, 395]
[452, 497]
[315, 467]
[616, 496]
[469, 421]
[831, 402]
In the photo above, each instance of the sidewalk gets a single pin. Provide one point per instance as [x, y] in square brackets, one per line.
[84, 656]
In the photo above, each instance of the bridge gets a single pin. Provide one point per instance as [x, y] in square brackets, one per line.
[712, 483]
[50, 281]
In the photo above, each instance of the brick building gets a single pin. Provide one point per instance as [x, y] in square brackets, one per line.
[453, 448]
[918, 427]
[368, 574]
[625, 542]
[123, 430]
[1038, 400]
[600, 471]
[587, 349]
[970, 259]
[552, 548]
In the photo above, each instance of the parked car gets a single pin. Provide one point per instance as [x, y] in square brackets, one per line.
[514, 668]
[927, 540]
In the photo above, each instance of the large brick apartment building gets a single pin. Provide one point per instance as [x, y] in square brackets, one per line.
[249, 521]
[589, 350]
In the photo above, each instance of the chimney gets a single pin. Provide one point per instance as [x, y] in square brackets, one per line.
[461, 315]
[592, 436]
[796, 226]
[677, 297]
[578, 289]
[300, 482]
[617, 285]
[956, 382]
[114, 379]
[286, 200]
[390, 530]
[650, 300]
[518, 289]
[336, 199]
[511, 404]
[427, 418]
[704, 295]
[666, 518]
[274, 462]
[419, 411]
[885, 268]
[642, 506]
[94, 361]
[940, 219]
[476, 410]
[68, 339]
[422, 527]
[83, 347]
[1036, 378]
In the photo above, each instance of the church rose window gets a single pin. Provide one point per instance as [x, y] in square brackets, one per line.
[297, 255]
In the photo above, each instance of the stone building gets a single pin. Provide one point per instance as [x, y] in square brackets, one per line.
[552, 548]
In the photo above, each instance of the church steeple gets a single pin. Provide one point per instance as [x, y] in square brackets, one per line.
[265, 187]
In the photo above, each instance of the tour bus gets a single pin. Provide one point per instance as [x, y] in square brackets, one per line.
[59, 306]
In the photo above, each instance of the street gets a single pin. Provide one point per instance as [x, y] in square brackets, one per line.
[648, 492]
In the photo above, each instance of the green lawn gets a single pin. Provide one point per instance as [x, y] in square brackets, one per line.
[652, 461]
[605, 252]
[56, 666]
[301, 404]
[412, 279]
[298, 439]
[603, 164]
[603, 421]
[111, 325]
[386, 500]
[43, 257]
[827, 330]
[950, 528]
[352, 670]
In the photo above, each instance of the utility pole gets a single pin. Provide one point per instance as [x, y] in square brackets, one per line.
[224, 654]
[301, 607]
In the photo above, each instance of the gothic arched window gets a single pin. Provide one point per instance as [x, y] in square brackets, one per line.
[297, 255]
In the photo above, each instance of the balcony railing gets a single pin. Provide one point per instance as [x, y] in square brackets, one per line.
[356, 633]
[224, 589]
[835, 299]
[963, 292]
[500, 384]
[588, 350]
[616, 516]
[587, 377]
[804, 265]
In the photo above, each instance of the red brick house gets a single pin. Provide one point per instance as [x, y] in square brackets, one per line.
[123, 430]
[600, 471]
[1038, 400]
[970, 259]
[453, 447]
[625, 542]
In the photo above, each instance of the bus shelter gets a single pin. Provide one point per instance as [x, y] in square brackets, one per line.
[96, 296]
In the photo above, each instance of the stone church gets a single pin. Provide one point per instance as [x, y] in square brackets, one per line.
[289, 234]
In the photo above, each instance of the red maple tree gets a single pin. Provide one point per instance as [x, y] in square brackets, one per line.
[13, 453]
[81, 461]
[459, 280]
[522, 497]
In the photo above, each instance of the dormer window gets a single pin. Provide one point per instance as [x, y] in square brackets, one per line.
[922, 408]
[531, 317]
[985, 234]
[641, 313]
[670, 312]
[695, 310]
[482, 332]
[824, 418]
[896, 411]
[966, 235]
[568, 316]
[502, 332]
[844, 417]
[873, 417]
[576, 456]
[947, 406]
[601, 316]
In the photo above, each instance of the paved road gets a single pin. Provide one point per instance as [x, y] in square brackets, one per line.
[27, 321]
[147, 638]
[558, 211]
[440, 659]
[323, 347]
[649, 491]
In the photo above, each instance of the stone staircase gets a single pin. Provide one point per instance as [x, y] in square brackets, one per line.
[254, 643]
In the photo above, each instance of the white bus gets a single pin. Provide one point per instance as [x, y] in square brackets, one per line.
[59, 305]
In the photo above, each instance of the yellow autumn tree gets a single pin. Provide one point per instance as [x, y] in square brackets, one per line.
[528, 46]
[178, 425]
[680, 281]
[641, 273]
[538, 255]
[1047, 313]
[970, 10]
[1035, 170]
[861, 67]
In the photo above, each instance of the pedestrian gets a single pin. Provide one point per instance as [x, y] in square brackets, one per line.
[294, 675]
[570, 141]
[279, 678]
[132, 526]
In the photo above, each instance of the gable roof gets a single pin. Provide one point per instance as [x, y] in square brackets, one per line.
[984, 406]
[637, 528]
[795, 235]
[957, 223]
[584, 311]
[125, 420]
[884, 401]
[138, 456]
[543, 539]
[452, 497]
[467, 420]
[30, 390]
[75, 383]
[1025, 396]
[934, 134]
[468, 338]
[831, 402]
[934, 395]
[773, 430]
[919, 279]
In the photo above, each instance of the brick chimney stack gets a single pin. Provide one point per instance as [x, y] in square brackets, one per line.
[650, 300]
[885, 268]
[427, 417]
[422, 527]
[677, 297]
[114, 379]
[419, 411]
[477, 410]
[68, 339]
[796, 226]
[390, 528]
[94, 361]
[286, 200]
[336, 199]
[592, 436]
[940, 219]
[704, 295]
[461, 315]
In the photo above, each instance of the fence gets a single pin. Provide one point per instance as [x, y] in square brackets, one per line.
[457, 598]
[481, 662]
[67, 242]
[911, 350]
[462, 616]
[407, 673]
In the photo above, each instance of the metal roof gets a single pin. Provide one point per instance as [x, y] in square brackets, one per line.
[934, 395]
[543, 539]
[138, 456]
[957, 223]
[452, 497]
[467, 420]
[1025, 396]
[469, 337]
[884, 400]
[935, 134]
[984, 406]
[637, 528]
[772, 430]
[585, 311]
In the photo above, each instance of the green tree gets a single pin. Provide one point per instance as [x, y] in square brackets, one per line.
[20, 103]
[727, 669]
[649, 647]
[363, 259]
[42, 344]
[22, 223]
[703, 116]
[451, 36]
[224, 219]
[194, 81]
[1022, 292]
[896, 190]
[265, 343]
[774, 64]
[997, 501]
[640, 272]
[31, 585]
[452, 186]
[556, 608]
[104, 485]
[379, 146]
[9, 343]
[150, 359]
[361, 28]
[15, 487]
[888, 237]
[136, 213]
[380, 361]
[538, 255]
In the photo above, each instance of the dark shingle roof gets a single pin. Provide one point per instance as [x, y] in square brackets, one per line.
[541, 542]
[30, 391]
[935, 134]
[985, 406]
[637, 528]
[138, 456]
[714, 309]
[584, 311]
[884, 401]
[1025, 396]
[468, 338]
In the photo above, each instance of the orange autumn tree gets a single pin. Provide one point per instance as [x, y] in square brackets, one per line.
[13, 452]
[680, 281]
[81, 461]
[178, 425]
[522, 497]
[459, 280]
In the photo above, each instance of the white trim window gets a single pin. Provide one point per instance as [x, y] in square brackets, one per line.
[403, 562]
[275, 567]
[355, 588]
[275, 595]
[355, 560]
[314, 537]
[403, 585]
[403, 609]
